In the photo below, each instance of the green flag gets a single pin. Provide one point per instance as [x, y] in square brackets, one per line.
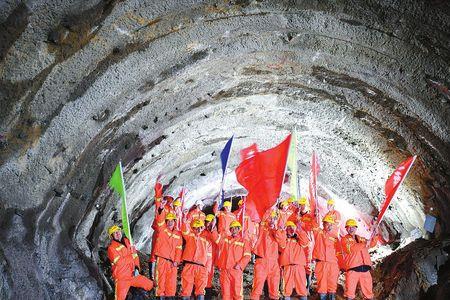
[292, 164]
[117, 184]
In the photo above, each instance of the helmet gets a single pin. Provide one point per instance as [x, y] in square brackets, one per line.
[302, 201]
[328, 219]
[171, 216]
[235, 224]
[351, 223]
[177, 203]
[197, 223]
[210, 217]
[291, 224]
[330, 202]
[291, 199]
[284, 203]
[273, 214]
[113, 229]
[227, 204]
[240, 202]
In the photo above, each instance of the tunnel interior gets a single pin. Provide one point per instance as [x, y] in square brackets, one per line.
[162, 85]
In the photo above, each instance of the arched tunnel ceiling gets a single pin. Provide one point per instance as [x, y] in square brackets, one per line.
[161, 85]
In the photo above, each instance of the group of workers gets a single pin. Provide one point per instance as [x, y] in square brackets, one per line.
[285, 245]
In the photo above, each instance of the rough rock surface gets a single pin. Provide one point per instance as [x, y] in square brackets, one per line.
[162, 84]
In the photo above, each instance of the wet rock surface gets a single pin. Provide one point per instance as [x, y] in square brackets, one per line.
[161, 85]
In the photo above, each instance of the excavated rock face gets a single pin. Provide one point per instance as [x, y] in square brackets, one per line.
[161, 85]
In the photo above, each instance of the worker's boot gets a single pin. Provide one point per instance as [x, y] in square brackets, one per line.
[200, 297]
[185, 298]
[303, 298]
[287, 298]
[323, 296]
[331, 296]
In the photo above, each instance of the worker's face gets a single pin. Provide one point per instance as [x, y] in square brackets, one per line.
[290, 231]
[227, 208]
[208, 225]
[351, 230]
[170, 224]
[234, 231]
[302, 207]
[199, 230]
[117, 235]
[272, 221]
[330, 207]
[327, 226]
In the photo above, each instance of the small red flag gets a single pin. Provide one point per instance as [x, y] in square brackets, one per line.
[393, 183]
[262, 175]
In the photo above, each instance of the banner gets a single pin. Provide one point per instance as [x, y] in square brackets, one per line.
[117, 184]
[293, 167]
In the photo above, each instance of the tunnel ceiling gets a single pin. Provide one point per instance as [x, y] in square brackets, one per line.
[161, 86]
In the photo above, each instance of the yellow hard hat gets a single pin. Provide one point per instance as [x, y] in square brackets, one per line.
[197, 223]
[209, 218]
[177, 203]
[284, 203]
[302, 201]
[291, 199]
[291, 224]
[273, 214]
[351, 223]
[113, 229]
[227, 204]
[235, 223]
[171, 216]
[330, 202]
[240, 202]
[328, 219]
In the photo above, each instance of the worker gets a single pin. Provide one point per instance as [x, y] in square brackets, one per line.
[168, 250]
[294, 250]
[224, 217]
[196, 213]
[212, 251]
[195, 256]
[333, 213]
[266, 264]
[283, 213]
[324, 253]
[125, 264]
[357, 261]
[293, 204]
[249, 228]
[235, 254]
[177, 210]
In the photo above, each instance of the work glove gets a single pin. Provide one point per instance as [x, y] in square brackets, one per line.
[158, 190]
[136, 271]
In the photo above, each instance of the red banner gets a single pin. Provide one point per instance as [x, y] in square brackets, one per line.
[393, 183]
[262, 175]
[315, 169]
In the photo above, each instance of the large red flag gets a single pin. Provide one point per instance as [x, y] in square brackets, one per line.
[393, 183]
[315, 169]
[262, 175]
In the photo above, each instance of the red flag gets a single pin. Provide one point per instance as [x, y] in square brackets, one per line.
[315, 169]
[262, 175]
[393, 183]
[248, 152]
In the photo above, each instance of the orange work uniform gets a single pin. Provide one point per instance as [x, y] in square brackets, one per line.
[293, 261]
[196, 214]
[235, 254]
[195, 257]
[124, 260]
[283, 216]
[249, 228]
[168, 250]
[212, 257]
[266, 264]
[327, 270]
[160, 216]
[358, 264]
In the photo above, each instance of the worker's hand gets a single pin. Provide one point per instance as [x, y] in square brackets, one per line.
[237, 267]
[158, 190]
[136, 271]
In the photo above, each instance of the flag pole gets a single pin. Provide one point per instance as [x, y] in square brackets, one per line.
[285, 169]
[395, 192]
[125, 204]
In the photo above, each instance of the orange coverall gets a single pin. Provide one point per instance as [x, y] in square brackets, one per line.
[293, 261]
[212, 257]
[307, 221]
[168, 249]
[124, 259]
[266, 264]
[195, 257]
[234, 251]
[224, 220]
[196, 214]
[249, 228]
[160, 216]
[356, 256]
[327, 270]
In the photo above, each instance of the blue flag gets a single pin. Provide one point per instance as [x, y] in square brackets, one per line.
[224, 155]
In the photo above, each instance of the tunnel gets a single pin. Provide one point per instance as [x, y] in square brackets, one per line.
[161, 86]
